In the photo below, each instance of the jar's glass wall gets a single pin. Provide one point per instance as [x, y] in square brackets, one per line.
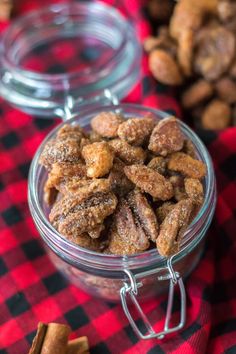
[88, 269]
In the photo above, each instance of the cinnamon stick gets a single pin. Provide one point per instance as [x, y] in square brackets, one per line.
[78, 346]
[38, 339]
[56, 338]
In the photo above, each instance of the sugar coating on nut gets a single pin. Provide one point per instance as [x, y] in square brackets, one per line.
[150, 181]
[166, 137]
[75, 215]
[99, 159]
[186, 165]
[173, 227]
[136, 130]
[106, 124]
[158, 164]
[126, 152]
[194, 190]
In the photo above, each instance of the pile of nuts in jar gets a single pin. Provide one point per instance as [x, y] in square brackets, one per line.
[126, 186]
[198, 50]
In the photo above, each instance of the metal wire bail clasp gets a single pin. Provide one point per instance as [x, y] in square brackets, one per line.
[130, 289]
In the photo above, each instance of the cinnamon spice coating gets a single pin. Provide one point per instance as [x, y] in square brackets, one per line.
[127, 194]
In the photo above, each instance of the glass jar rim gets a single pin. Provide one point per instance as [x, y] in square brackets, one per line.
[81, 6]
[192, 236]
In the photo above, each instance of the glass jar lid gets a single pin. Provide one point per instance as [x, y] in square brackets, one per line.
[64, 53]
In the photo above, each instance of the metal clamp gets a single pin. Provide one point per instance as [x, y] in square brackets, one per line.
[130, 289]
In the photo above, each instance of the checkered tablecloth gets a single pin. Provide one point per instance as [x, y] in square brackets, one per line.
[32, 290]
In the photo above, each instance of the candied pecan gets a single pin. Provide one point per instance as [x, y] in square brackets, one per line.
[197, 93]
[71, 131]
[194, 190]
[185, 17]
[217, 115]
[178, 186]
[99, 159]
[117, 244]
[128, 226]
[5, 9]
[226, 90]
[84, 187]
[185, 52]
[226, 10]
[149, 181]
[106, 124]
[119, 183]
[144, 213]
[128, 153]
[173, 227]
[158, 164]
[185, 164]
[164, 210]
[62, 172]
[60, 149]
[136, 130]
[189, 148]
[74, 215]
[135, 221]
[214, 52]
[164, 68]
[166, 137]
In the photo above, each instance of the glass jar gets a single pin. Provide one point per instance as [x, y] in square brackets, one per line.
[62, 55]
[140, 276]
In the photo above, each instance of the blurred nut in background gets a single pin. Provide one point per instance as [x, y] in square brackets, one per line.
[5, 9]
[198, 51]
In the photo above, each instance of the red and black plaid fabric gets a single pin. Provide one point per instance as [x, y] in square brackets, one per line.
[32, 290]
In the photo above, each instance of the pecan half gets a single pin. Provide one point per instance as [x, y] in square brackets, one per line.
[117, 244]
[226, 89]
[166, 137]
[106, 124]
[150, 181]
[136, 130]
[173, 227]
[128, 153]
[194, 190]
[217, 115]
[164, 68]
[214, 52]
[135, 221]
[75, 215]
[197, 93]
[186, 165]
[99, 159]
